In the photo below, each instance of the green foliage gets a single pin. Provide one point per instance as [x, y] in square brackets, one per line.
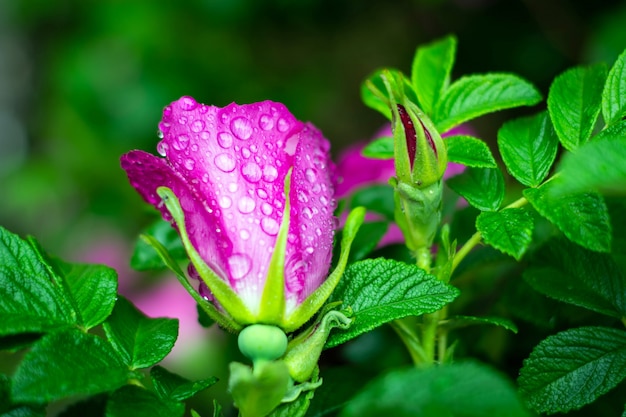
[528, 147]
[583, 218]
[472, 96]
[573, 368]
[379, 148]
[483, 188]
[133, 401]
[169, 385]
[469, 151]
[613, 100]
[140, 341]
[145, 257]
[509, 230]
[464, 389]
[574, 103]
[381, 290]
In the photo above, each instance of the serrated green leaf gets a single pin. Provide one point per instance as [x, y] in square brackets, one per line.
[572, 274]
[94, 289]
[139, 340]
[296, 408]
[134, 401]
[68, 363]
[528, 147]
[170, 386]
[476, 95]
[375, 198]
[599, 165]
[380, 148]
[509, 230]
[469, 151]
[430, 72]
[146, 258]
[381, 290]
[30, 302]
[574, 103]
[483, 188]
[463, 389]
[583, 218]
[613, 97]
[464, 321]
[573, 368]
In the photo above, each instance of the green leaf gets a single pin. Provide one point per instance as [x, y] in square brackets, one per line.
[30, 300]
[465, 321]
[463, 389]
[296, 408]
[380, 148]
[599, 165]
[375, 198]
[68, 363]
[483, 188]
[574, 103]
[257, 393]
[341, 383]
[583, 218]
[93, 288]
[139, 340]
[145, 257]
[170, 386]
[509, 230]
[469, 151]
[430, 72]
[572, 274]
[613, 95]
[573, 368]
[475, 95]
[528, 147]
[381, 290]
[134, 401]
[8, 409]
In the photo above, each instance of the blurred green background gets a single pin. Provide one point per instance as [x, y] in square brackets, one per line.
[82, 82]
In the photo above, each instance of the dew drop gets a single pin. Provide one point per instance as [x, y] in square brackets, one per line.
[182, 120]
[197, 126]
[225, 162]
[251, 172]
[323, 200]
[233, 187]
[205, 135]
[318, 231]
[181, 142]
[266, 122]
[266, 209]
[225, 202]
[316, 188]
[160, 134]
[309, 174]
[309, 250]
[239, 265]
[244, 234]
[269, 173]
[187, 103]
[241, 128]
[162, 148]
[225, 140]
[245, 152]
[269, 226]
[283, 125]
[246, 205]
[306, 212]
[189, 164]
[261, 193]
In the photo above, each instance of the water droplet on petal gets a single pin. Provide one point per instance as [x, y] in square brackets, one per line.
[225, 162]
[261, 193]
[251, 172]
[244, 234]
[239, 265]
[283, 125]
[309, 174]
[181, 142]
[232, 187]
[162, 148]
[269, 173]
[197, 126]
[267, 209]
[269, 226]
[245, 152]
[323, 200]
[225, 202]
[187, 103]
[225, 140]
[246, 204]
[316, 188]
[241, 128]
[309, 250]
[189, 164]
[160, 134]
[266, 122]
[306, 212]
[318, 231]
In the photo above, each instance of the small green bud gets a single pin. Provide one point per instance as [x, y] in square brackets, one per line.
[262, 342]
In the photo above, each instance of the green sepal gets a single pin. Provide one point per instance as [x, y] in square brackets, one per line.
[256, 392]
[314, 302]
[208, 307]
[303, 351]
[272, 308]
